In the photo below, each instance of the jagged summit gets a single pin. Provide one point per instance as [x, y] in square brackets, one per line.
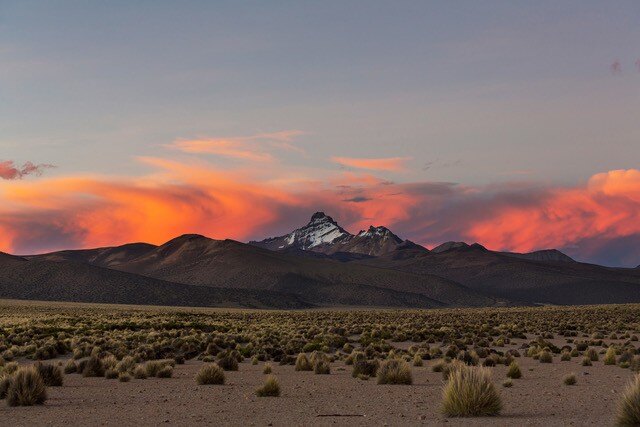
[323, 234]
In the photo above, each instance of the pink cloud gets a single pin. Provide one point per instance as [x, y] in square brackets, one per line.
[390, 164]
[9, 170]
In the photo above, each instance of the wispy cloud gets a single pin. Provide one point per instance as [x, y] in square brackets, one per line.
[10, 171]
[255, 148]
[390, 164]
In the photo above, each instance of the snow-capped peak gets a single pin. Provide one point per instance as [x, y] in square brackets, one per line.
[321, 229]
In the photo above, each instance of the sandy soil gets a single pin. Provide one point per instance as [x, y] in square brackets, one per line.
[539, 398]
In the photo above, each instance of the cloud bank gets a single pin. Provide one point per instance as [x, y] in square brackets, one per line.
[590, 222]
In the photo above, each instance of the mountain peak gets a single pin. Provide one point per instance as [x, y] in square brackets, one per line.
[320, 217]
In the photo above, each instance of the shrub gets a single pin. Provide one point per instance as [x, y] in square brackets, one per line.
[5, 382]
[514, 371]
[10, 367]
[545, 357]
[124, 377]
[470, 393]
[394, 371]
[50, 374]
[228, 361]
[93, 367]
[610, 356]
[629, 405]
[417, 360]
[70, 367]
[367, 368]
[126, 364]
[26, 388]
[322, 367]
[302, 363]
[438, 366]
[165, 372]
[267, 369]
[210, 374]
[570, 379]
[139, 372]
[271, 388]
[111, 374]
[592, 354]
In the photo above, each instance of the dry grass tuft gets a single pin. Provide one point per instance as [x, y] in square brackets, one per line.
[394, 371]
[271, 388]
[210, 374]
[629, 406]
[470, 393]
[26, 388]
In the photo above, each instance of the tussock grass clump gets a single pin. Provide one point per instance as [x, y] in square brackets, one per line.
[586, 361]
[394, 371]
[5, 382]
[545, 357]
[570, 379]
[417, 360]
[322, 367]
[124, 377]
[228, 361]
[565, 356]
[93, 367]
[514, 371]
[139, 372]
[302, 363]
[10, 367]
[271, 388]
[267, 369]
[368, 368]
[592, 354]
[438, 366]
[610, 356]
[70, 367]
[629, 405]
[507, 383]
[111, 374]
[154, 367]
[210, 374]
[50, 374]
[126, 364]
[470, 393]
[165, 372]
[26, 388]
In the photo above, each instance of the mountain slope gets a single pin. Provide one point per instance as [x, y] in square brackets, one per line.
[197, 260]
[41, 279]
[521, 279]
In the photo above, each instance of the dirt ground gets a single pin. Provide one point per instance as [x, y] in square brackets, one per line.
[539, 398]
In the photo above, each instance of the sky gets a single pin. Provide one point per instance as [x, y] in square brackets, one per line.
[513, 124]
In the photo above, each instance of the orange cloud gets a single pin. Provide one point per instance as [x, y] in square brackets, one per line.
[252, 148]
[195, 197]
[609, 207]
[390, 164]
